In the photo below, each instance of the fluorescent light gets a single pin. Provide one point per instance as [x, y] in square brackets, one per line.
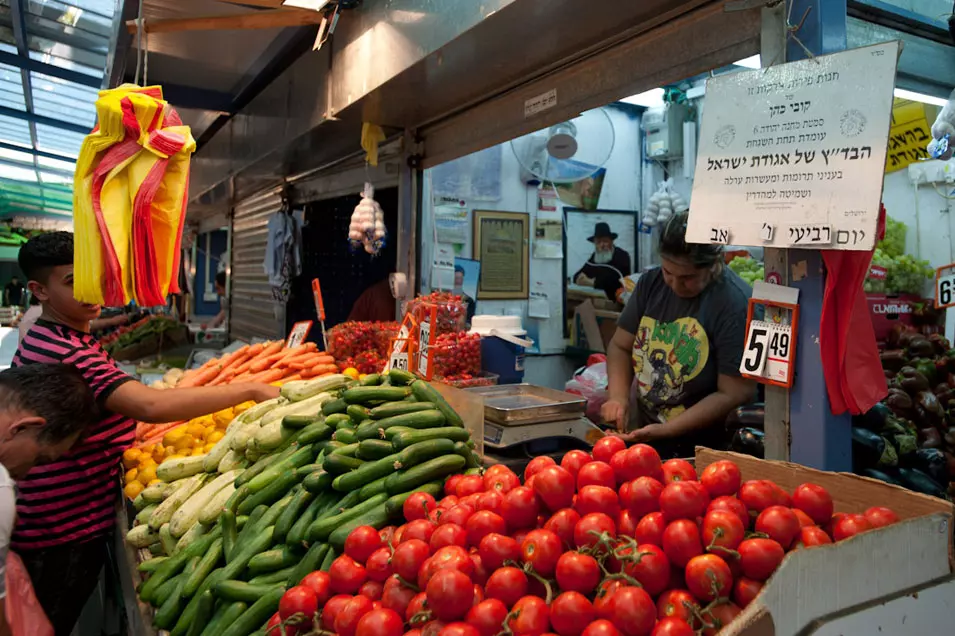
[753, 61]
[653, 98]
[919, 97]
[314, 5]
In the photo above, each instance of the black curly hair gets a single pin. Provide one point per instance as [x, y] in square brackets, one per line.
[42, 253]
[673, 244]
[56, 392]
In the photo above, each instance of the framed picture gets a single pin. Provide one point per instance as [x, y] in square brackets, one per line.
[501, 243]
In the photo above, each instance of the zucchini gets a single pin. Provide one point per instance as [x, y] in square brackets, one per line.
[407, 438]
[224, 616]
[334, 407]
[322, 527]
[345, 435]
[377, 518]
[309, 563]
[358, 413]
[150, 565]
[272, 578]
[336, 464]
[188, 513]
[204, 568]
[401, 377]
[155, 549]
[231, 461]
[287, 518]
[373, 488]
[338, 419]
[422, 419]
[256, 615]
[321, 503]
[315, 433]
[272, 560]
[164, 511]
[302, 456]
[318, 481]
[297, 391]
[241, 591]
[395, 503]
[204, 610]
[427, 393]
[270, 437]
[167, 540]
[142, 536]
[230, 533]
[174, 469]
[366, 473]
[366, 394]
[196, 531]
[399, 408]
[308, 406]
[372, 449]
[421, 474]
[140, 502]
[165, 618]
[216, 505]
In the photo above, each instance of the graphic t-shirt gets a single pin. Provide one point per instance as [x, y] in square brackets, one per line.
[681, 345]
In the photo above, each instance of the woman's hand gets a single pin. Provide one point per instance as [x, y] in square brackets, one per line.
[647, 434]
[615, 412]
[263, 392]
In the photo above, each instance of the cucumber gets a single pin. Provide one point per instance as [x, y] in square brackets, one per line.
[337, 419]
[427, 393]
[224, 616]
[395, 503]
[348, 450]
[422, 419]
[256, 544]
[372, 449]
[300, 421]
[250, 524]
[470, 459]
[358, 413]
[322, 502]
[322, 527]
[165, 618]
[275, 510]
[424, 451]
[272, 578]
[309, 563]
[367, 473]
[155, 549]
[405, 439]
[327, 446]
[241, 591]
[399, 408]
[272, 560]
[318, 481]
[204, 610]
[167, 540]
[401, 377]
[330, 557]
[189, 614]
[230, 533]
[262, 464]
[256, 615]
[150, 565]
[204, 568]
[368, 429]
[366, 394]
[372, 379]
[345, 435]
[307, 469]
[333, 407]
[373, 488]
[336, 464]
[390, 433]
[166, 589]
[302, 456]
[377, 518]
[421, 474]
[171, 566]
[235, 500]
[286, 520]
[269, 495]
[315, 433]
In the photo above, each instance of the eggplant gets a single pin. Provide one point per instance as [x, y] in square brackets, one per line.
[912, 380]
[874, 419]
[753, 415]
[929, 410]
[950, 465]
[881, 476]
[916, 480]
[893, 360]
[748, 441]
[932, 462]
[870, 450]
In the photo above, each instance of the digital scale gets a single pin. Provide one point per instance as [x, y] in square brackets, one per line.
[521, 413]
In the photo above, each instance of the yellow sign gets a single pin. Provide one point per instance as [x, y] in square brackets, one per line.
[908, 136]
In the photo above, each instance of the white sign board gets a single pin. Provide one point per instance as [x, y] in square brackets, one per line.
[798, 147]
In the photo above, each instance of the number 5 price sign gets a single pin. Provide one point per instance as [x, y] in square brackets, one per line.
[945, 286]
[770, 348]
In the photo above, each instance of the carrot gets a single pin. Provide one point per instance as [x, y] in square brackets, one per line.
[230, 358]
[223, 378]
[201, 379]
[292, 378]
[261, 364]
[267, 377]
[157, 431]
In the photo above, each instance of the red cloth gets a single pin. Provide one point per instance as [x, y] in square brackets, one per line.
[850, 357]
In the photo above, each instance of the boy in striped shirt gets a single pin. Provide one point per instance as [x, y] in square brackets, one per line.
[66, 509]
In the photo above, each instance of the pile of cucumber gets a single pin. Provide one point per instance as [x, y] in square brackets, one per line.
[229, 544]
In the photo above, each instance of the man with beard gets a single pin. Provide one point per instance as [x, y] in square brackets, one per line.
[606, 266]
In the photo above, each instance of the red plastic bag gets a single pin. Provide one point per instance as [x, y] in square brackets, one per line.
[24, 614]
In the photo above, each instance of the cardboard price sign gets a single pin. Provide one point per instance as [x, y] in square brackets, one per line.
[298, 334]
[403, 345]
[770, 349]
[426, 337]
[945, 287]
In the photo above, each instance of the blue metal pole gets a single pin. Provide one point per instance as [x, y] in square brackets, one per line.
[818, 438]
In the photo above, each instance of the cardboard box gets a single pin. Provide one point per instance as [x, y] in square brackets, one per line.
[593, 328]
[818, 582]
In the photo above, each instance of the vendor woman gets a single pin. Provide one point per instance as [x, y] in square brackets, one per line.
[681, 336]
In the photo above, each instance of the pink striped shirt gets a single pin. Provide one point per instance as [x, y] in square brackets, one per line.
[73, 498]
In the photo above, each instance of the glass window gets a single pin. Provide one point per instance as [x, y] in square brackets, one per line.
[935, 10]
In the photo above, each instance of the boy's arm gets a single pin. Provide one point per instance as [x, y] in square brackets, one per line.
[139, 402]
[7, 515]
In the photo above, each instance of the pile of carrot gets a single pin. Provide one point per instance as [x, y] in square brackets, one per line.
[153, 433]
[264, 362]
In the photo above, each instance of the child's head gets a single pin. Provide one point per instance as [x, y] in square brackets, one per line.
[43, 410]
[47, 261]
[220, 283]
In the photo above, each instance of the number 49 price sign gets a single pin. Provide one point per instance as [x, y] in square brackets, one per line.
[945, 287]
[770, 348]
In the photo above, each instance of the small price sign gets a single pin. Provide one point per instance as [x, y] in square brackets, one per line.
[769, 350]
[298, 334]
[399, 361]
[402, 346]
[945, 286]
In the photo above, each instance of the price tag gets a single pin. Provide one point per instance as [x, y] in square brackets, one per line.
[945, 286]
[424, 348]
[769, 350]
[756, 351]
[399, 360]
[298, 334]
[780, 353]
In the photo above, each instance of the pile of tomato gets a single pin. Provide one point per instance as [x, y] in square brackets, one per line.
[613, 543]
[457, 355]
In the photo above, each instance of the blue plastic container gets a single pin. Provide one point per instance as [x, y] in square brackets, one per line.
[503, 358]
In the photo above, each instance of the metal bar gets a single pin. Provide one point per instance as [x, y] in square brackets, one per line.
[39, 153]
[43, 119]
[890, 15]
[32, 166]
[36, 66]
[197, 98]
[253, 20]
[23, 50]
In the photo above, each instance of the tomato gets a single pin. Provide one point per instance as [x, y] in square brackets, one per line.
[432, 628]
[673, 627]
[421, 529]
[490, 500]
[487, 616]
[361, 542]
[459, 629]
[708, 577]
[540, 550]
[469, 485]
[757, 494]
[879, 517]
[745, 590]
[414, 632]
[574, 460]
[480, 574]
[502, 481]
[722, 529]
[378, 567]
[719, 617]
[458, 515]
[810, 536]
[419, 505]
[641, 496]
[632, 611]
[478, 594]
[622, 470]
[759, 558]
[606, 447]
[452, 557]
[678, 603]
[298, 600]
[780, 496]
[721, 479]
[495, 549]
[409, 557]
[570, 613]
[562, 523]
[681, 542]
[597, 499]
[815, 501]
[507, 584]
[650, 529]
[449, 502]
[448, 534]
[332, 609]
[536, 465]
[555, 487]
[450, 595]
[803, 518]
[601, 627]
[529, 617]
[380, 622]
[520, 508]
[396, 595]
[483, 523]
[451, 484]
[849, 526]
[779, 523]
[649, 566]
[387, 535]
[274, 627]
[683, 500]
[577, 572]
[320, 583]
[678, 470]
[346, 622]
[731, 504]
[371, 589]
[596, 473]
[627, 523]
[605, 590]
[346, 575]
[593, 526]
[417, 611]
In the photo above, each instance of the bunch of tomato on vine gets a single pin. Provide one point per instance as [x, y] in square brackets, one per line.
[613, 543]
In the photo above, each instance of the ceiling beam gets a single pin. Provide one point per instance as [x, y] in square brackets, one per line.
[266, 4]
[23, 51]
[254, 20]
[42, 119]
[59, 72]
[197, 98]
[39, 153]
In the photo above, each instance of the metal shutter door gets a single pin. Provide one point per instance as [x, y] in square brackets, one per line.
[253, 311]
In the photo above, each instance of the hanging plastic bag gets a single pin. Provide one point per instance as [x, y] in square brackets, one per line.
[591, 383]
[24, 614]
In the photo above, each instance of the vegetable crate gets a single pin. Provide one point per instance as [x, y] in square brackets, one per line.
[888, 310]
[813, 584]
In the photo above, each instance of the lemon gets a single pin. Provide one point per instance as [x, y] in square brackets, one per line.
[238, 409]
[199, 450]
[173, 436]
[169, 452]
[133, 489]
[215, 436]
[131, 475]
[131, 457]
[185, 442]
[351, 372]
[208, 447]
[154, 482]
[197, 430]
[146, 475]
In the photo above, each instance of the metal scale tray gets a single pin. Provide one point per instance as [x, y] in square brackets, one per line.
[520, 404]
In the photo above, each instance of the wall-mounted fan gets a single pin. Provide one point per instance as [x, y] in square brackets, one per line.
[566, 152]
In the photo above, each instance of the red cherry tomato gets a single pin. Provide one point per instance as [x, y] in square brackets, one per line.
[779, 523]
[641, 496]
[417, 607]
[346, 575]
[650, 529]
[507, 584]
[678, 470]
[731, 504]
[409, 557]
[758, 494]
[849, 526]
[378, 566]
[681, 542]
[759, 558]
[459, 629]
[418, 505]
[320, 583]
[879, 517]
[274, 627]
[571, 613]
[491, 500]
[372, 590]
[627, 523]
[605, 590]
[721, 616]
[622, 470]
[596, 473]
[459, 515]
[536, 465]
[815, 501]
[723, 529]
[469, 485]
[577, 572]
[803, 518]
[555, 486]
[721, 479]
[683, 500]
[451, 484]
[495, 549]
[606, 447]
[597, 499]
[591, 527]
[632, 611]
[574, 460]
[541, 549]
[520, 508]
[361, 542]
[450, 594]
[562, 523]
[810, 536]
[678, 603]
[529, 616]
[487, 616]
[708, 577]
[673, 627]
[501, 481]
[745, 590]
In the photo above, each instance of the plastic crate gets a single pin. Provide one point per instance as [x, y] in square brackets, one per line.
[888, 310]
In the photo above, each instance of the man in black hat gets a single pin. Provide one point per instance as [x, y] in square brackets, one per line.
[606, 266]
